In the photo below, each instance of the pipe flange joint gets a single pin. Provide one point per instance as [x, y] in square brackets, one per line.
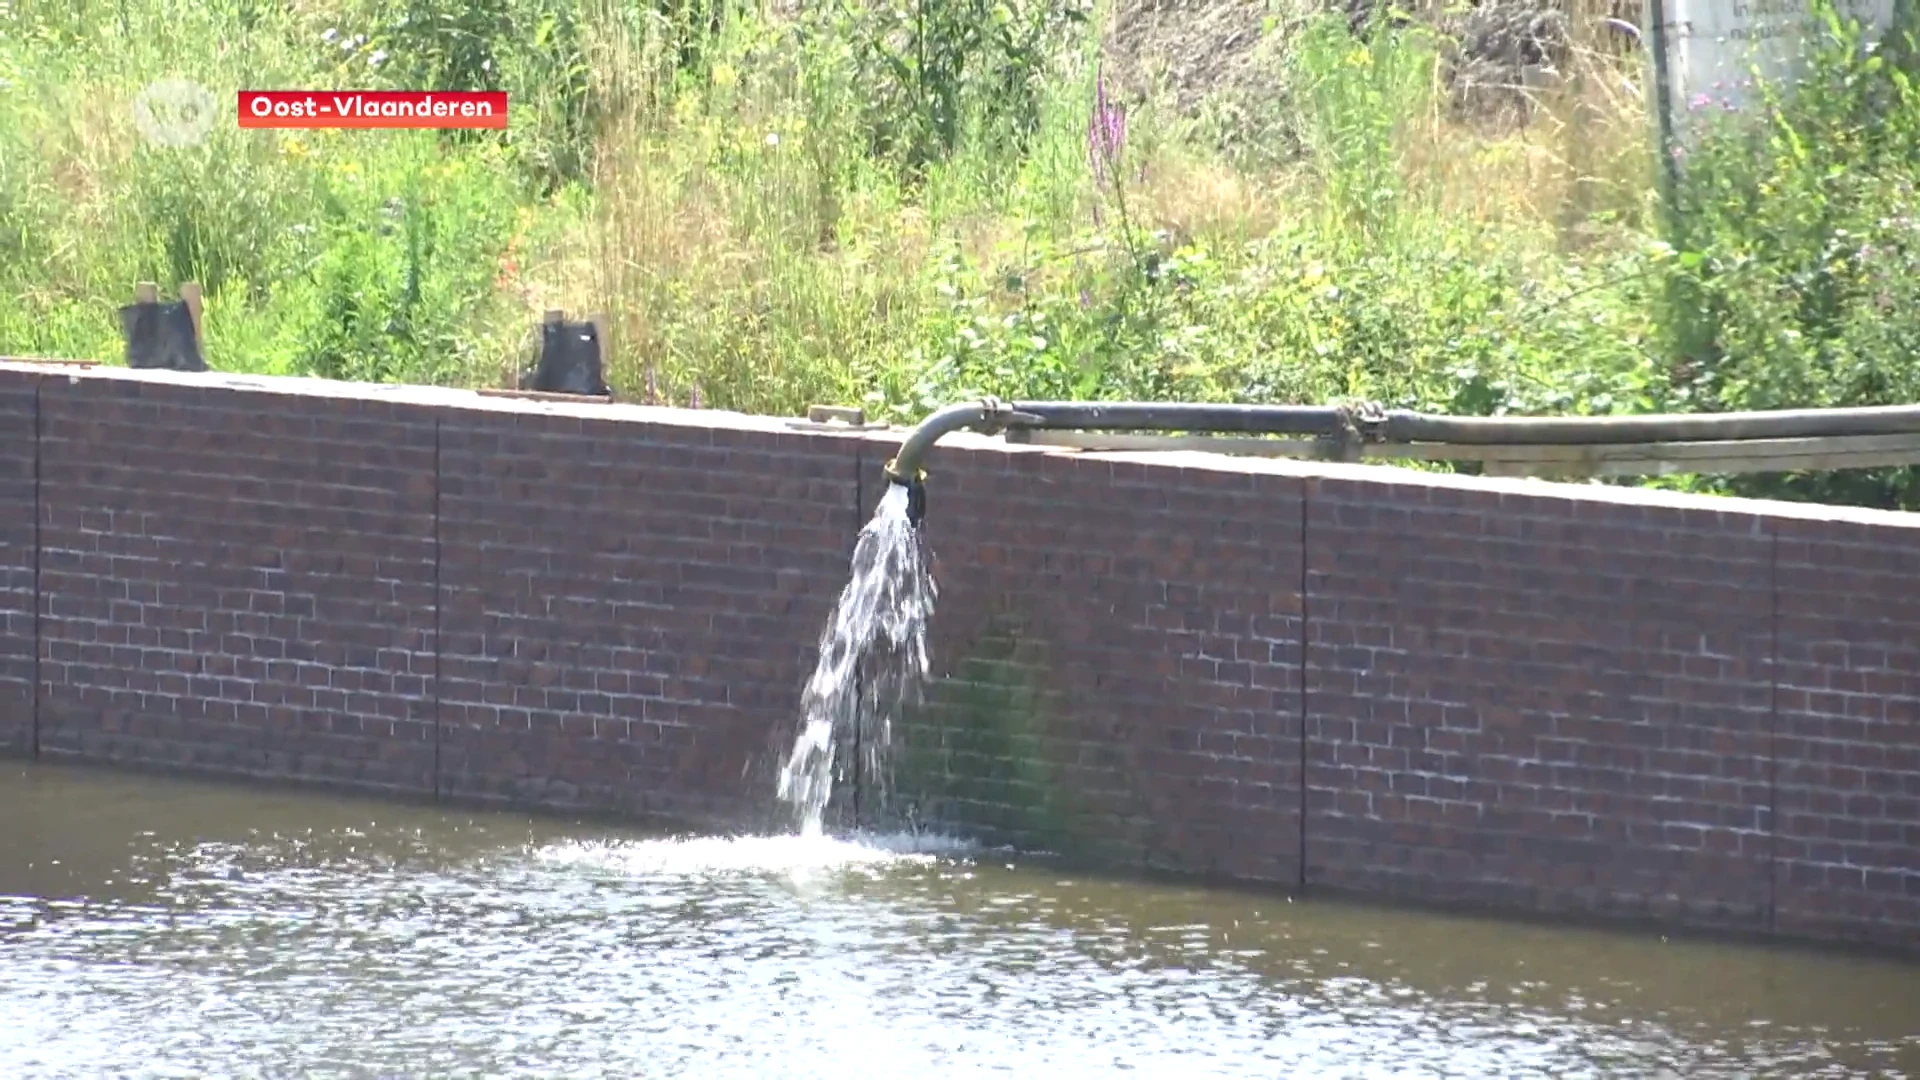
[1370, 420]
[994, 414]
[1344, 441]
[893, 473]
[916, 486]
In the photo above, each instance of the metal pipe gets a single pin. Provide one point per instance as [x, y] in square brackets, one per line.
[905, 466]
[1177, 416]
[1596, 430]
[991, 416]
[1373, 425]
[1654, 14]
[1401, 425]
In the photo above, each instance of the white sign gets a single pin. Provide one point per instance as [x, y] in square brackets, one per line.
[1713, 47]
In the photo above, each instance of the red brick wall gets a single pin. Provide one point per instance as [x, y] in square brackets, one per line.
[1538, 699]
[1847, 740]
[630, 610]
[1535, 696]
[1543, 697]
[237, 582]
[1122, 643]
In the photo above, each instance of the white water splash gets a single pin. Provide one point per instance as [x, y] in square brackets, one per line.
[873, 659]
[706, 856]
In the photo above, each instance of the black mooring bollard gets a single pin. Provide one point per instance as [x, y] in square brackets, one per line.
[570, 359]
[164, 336]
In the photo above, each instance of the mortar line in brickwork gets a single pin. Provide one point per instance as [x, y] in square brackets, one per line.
[439, 607]
[1305, 484]
[1773, 726]
[39, 510]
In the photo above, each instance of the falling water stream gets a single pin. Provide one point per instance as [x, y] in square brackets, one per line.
[873, 658]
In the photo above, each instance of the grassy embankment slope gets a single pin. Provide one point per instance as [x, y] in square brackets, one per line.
[900, 208]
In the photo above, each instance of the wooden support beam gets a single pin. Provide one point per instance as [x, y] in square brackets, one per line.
[191, 296]
[1715, 457]
[540, 395]
[1619, 459]
[836, 414]
[1237, 445]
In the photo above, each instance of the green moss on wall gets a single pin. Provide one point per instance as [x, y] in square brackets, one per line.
[981, 754]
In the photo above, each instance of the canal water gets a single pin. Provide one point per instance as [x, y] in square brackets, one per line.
[158, 928]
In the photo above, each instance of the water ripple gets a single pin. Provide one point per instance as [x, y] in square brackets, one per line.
[434, 945]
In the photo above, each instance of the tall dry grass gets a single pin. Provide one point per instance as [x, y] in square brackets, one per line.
[1424, 232]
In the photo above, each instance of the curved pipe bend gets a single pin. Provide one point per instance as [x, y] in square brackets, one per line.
[991, 415]
[904, 468]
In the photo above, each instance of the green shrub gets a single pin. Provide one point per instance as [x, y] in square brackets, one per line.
[394, 266]
[906, 204]
[1797, 275]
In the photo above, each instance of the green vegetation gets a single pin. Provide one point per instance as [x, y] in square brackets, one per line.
[902, 205]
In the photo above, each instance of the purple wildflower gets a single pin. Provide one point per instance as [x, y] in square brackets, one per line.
[1106, 131]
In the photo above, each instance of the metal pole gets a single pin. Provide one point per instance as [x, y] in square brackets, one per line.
[1656, 37]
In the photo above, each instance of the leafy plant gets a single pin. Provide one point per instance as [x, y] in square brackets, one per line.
[1799, 249]
[935, 72]
[905, 204]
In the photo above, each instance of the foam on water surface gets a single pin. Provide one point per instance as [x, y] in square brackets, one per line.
[705, 856]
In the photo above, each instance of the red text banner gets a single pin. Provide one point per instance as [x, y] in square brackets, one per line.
[372, 109]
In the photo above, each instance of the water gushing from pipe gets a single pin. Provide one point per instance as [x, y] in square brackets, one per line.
[873, 660]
